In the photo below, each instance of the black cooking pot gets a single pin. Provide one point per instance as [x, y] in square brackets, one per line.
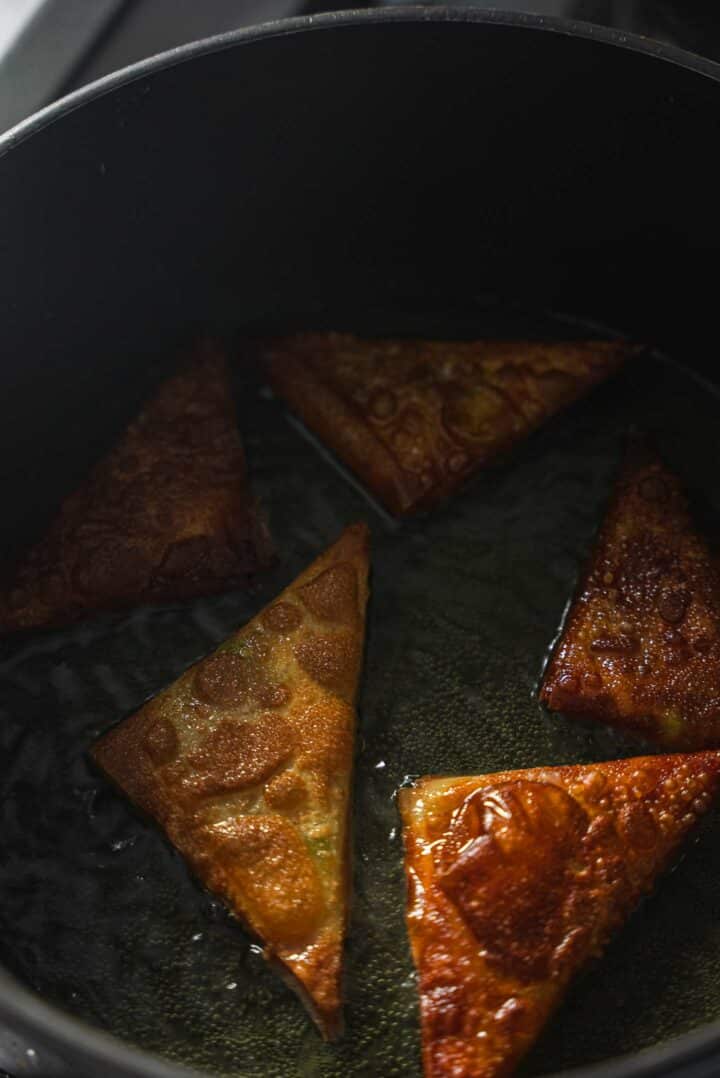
[320, 169]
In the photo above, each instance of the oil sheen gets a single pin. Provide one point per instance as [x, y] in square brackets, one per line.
[101, 915]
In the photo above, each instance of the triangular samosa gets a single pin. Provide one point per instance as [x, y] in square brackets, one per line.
[516, 880]
[640, 647]
[414, 418]
[166, 515]
[246, 762]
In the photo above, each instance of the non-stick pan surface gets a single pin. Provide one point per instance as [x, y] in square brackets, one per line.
[210, 205]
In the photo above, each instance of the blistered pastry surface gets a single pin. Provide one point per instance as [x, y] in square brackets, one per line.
[415, 418]
[167, 514]
[517, 879]
[246, 762]
[641, 643]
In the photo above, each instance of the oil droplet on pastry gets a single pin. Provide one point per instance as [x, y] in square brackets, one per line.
[643, 782]
[474, 414]
[402, 440]
[238, 754]
[672, 605]
[614, 645]
[286, 791]
[273, 695]
[161, 742]
[637, 826]
[282, 617]
[457, 462]
[513, 1015]
[383, 404]
[329, 658]
[412, 422]
[222, 679]
[594, 783]
[333, 594]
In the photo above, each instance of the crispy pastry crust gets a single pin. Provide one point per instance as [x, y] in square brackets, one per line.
[166, 515]
[246, 763]
[516, 880]
[412, 418]
[641, 644]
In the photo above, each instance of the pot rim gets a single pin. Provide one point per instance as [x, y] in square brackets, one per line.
[354, 17]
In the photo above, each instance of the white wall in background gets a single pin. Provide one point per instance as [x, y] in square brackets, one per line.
[14, 15]
[42, 41]
[41, 56]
